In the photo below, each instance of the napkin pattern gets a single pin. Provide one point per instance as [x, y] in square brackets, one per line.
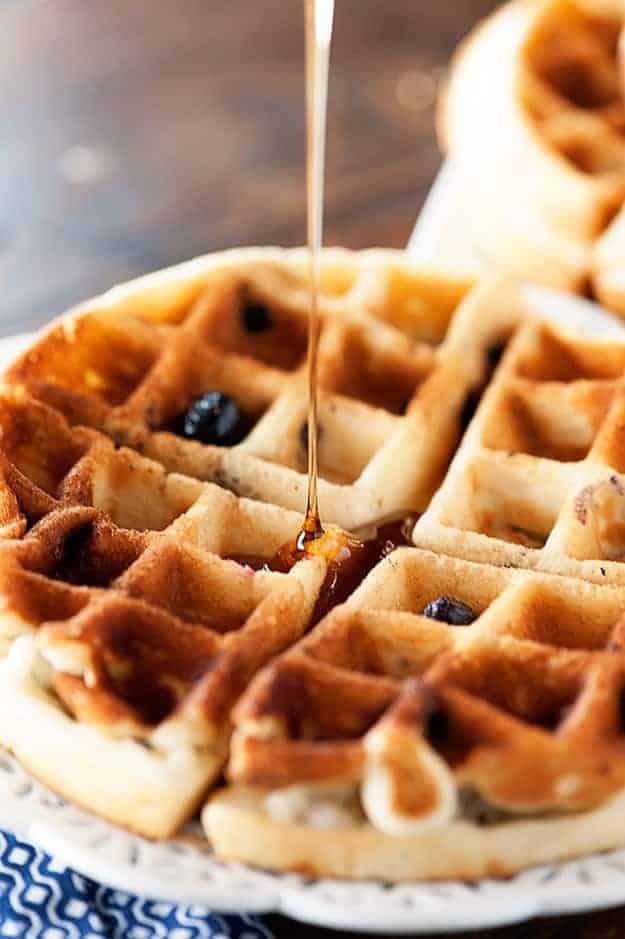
[42, 899]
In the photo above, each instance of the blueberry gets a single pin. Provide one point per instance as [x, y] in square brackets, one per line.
[494, 354]
[433, 715]
[449, 610]
[255, 317]
[437, 727]
[213, 418]
[469, 408]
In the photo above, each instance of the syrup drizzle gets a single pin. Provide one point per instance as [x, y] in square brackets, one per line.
[349, 560]
[319, 20]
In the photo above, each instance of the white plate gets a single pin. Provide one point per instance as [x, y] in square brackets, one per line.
[184, 870]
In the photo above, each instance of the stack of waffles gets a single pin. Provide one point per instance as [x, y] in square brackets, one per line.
[534, 108]
[430, 700]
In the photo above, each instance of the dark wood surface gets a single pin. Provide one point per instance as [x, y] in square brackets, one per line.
[137, 134]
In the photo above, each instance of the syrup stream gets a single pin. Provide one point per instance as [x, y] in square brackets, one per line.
[319, 19]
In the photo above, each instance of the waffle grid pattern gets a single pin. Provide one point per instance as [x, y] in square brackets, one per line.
[137, 611]
[537, 481]
[385, 691]
[131, 374]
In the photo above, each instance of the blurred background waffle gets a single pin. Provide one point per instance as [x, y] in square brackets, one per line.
[533, 116]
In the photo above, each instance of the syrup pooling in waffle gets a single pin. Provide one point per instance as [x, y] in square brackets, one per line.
[348, 559]
[229, 367]
[404, 723]
[538, 479]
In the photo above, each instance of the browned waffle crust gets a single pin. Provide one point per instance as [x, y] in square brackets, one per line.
[130, 633]
[133, 624]
[386, 744]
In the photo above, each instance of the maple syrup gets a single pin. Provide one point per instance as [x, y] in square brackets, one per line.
[349, 566]
[319, 19]
[348, 559]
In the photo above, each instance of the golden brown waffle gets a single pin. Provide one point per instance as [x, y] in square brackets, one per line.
[130, 632]
[137, 608]
[538, 479]
[534, 118]
[391, 369]
[390, 744]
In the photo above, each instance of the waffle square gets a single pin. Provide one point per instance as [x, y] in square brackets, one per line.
[538, 479]
[415, 748]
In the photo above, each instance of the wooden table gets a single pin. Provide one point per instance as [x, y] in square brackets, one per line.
[139, 134]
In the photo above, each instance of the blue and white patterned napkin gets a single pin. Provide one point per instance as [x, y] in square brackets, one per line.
[42, 899]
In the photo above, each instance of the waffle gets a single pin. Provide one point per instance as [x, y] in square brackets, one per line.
[130, 619]
[537, 481]
[129, 363]
[538, 89]
[144, 586]
[389, 744]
